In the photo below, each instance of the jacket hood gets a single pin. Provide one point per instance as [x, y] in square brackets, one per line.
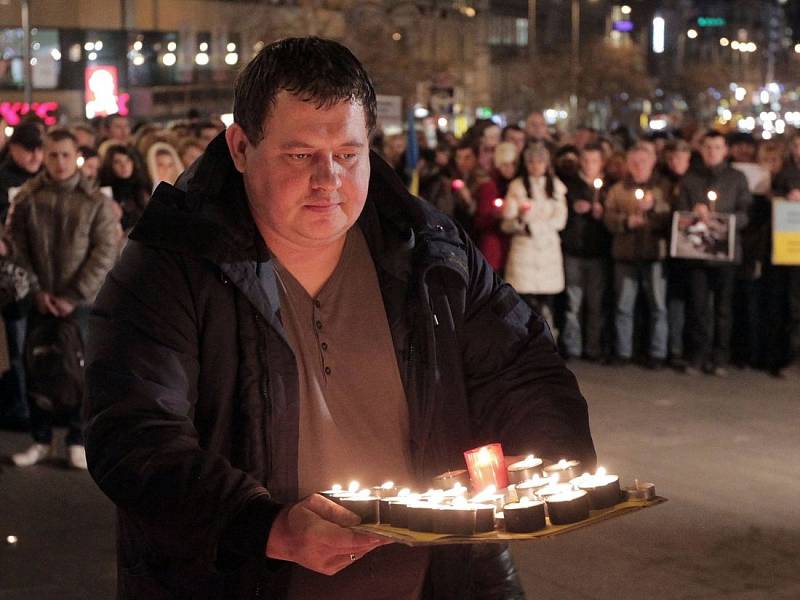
[206, 214]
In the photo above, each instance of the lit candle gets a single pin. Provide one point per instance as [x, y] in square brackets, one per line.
[331, 494]
[498, 203]
[553, 489]
[524, 516]
[524, 470]
[385, 490]
[569, 507]
[450, 478]
[603, 489]
[398, 510]
[487, 466]
[484, 517]
[565, 469]
[364, 505]
[641, 490]
[457, 518]
[490, 496]
[639, 194]
[458, 184]
[528, 489]
[420, 515]
[598, 185]
[712, 200]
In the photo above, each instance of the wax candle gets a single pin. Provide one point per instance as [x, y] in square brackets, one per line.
[565, 469]
[641, 490]
[398, 510]
[498, 203]
[524, 470]
[385, 490]
[333, 493]
[487, 466]
[603, 489]
[712, 200]
[450, 478]
[490, 496]
[524, 516]
[420, 515]
[457, 518]
[364, 505]
[528, 489]
[639, 194]
[385, 505]
[569, 507]
[553, 489]
[598, 183]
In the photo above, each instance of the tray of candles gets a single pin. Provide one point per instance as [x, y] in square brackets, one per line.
[492, 503]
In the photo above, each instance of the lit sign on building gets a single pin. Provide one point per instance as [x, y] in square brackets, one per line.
[711, 22]
[624, 26]
[102, 92]
[12, 112]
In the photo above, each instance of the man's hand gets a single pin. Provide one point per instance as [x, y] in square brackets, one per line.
[45, 304]
[648, 201]
[3, 248]
[597, 210]
[635, 221]
[582, 206]
[702, 211]
[793, 195]
[63, 306]
[313, 533]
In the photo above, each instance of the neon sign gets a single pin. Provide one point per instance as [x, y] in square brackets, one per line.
[101, 87]
[12, 112]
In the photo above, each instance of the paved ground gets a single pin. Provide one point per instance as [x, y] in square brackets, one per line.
[724, 451]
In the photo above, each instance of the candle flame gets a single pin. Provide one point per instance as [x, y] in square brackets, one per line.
[562, 464]
[336, 487]
[712, 195]
[489, 491]
[404, 492]
[363, 493]
[388, 485]
[460, 502]
[598, 183]
[353, 487]
[530, 458]
[600, 471]
[484, 456]
[639, 194]
[525, 501]
[498, 202]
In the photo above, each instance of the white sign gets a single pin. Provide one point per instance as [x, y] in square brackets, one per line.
[390, 111]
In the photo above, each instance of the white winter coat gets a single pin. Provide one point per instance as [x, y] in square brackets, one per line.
[535, 263]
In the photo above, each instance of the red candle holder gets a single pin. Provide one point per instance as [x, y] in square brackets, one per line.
[487, 466]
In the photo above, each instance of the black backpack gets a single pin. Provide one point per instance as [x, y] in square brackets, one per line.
[54, 363]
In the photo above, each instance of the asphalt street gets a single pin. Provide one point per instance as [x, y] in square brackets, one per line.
[725, 452]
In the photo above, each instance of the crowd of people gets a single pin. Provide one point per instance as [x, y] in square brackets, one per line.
[68, 197]
[580, 224]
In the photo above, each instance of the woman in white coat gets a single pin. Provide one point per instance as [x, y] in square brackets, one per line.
[534, 212]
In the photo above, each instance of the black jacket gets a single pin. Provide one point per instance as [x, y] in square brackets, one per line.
[584, 236]
[193, 394]
[11, 175]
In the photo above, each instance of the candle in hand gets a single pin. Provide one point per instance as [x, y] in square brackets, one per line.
[525, 469]
[565, 469]
[524, 516]
[487, 466]
[712, 200]
[603, 489]
[639, 194]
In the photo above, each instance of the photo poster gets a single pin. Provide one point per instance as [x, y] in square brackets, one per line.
[693, 239]
[785, 232]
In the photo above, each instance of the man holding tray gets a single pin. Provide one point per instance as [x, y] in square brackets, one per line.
[289, 316]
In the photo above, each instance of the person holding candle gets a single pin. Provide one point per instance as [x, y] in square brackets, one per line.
[710, 329]
[638, 217]
[289, 316]
[586, 244]
[534, 212]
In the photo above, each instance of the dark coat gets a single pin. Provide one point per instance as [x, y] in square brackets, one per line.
[193, 393]
[11, 175]
[584, 236]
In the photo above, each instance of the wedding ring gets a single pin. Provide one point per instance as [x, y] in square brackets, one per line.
[353, 557]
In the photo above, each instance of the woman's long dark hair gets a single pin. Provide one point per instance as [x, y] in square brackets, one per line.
[541, 150]
[132, 193]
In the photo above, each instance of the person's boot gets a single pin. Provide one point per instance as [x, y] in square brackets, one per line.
[33, 455]
[76, 456]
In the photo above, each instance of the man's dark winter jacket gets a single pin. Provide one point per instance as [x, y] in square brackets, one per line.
[11, 175]
[193, 392]
[584, 236]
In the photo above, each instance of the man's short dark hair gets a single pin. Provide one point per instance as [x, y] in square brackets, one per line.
[60, 134]
[109, 119]
[313, 69]
[713, 134]
[593, 147]
[467, 144]
[511, 127]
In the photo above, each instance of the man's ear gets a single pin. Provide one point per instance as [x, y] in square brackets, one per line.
[237, 145]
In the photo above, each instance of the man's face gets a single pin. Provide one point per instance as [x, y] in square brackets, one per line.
[119, 129]
[713, 150]
[28, 160]
[536, 127]
[678, 162]
[466, 161]
[517, 138]
[592, 164]
[60, 159]
[84, 138]
[307, 179]
[640, 165]
[90, 167]
[743, 152]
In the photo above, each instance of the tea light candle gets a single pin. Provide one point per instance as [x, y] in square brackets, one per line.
[524, 516]
[398, 510]
[335, 491]
[484, 517]
[364, 505]
[456, 519]
[385, 490]
[553, 489]
[528, 489]
[524, 470]
[498, 203]
[641, 490]
[603, 489]
[420, 515]
[386, 505]
[569, 507]
[565, 469]
[451, 478]
[487, 466]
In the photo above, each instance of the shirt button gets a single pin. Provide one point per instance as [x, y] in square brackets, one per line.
[327, 370]
[324, 345]
[319, 324]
